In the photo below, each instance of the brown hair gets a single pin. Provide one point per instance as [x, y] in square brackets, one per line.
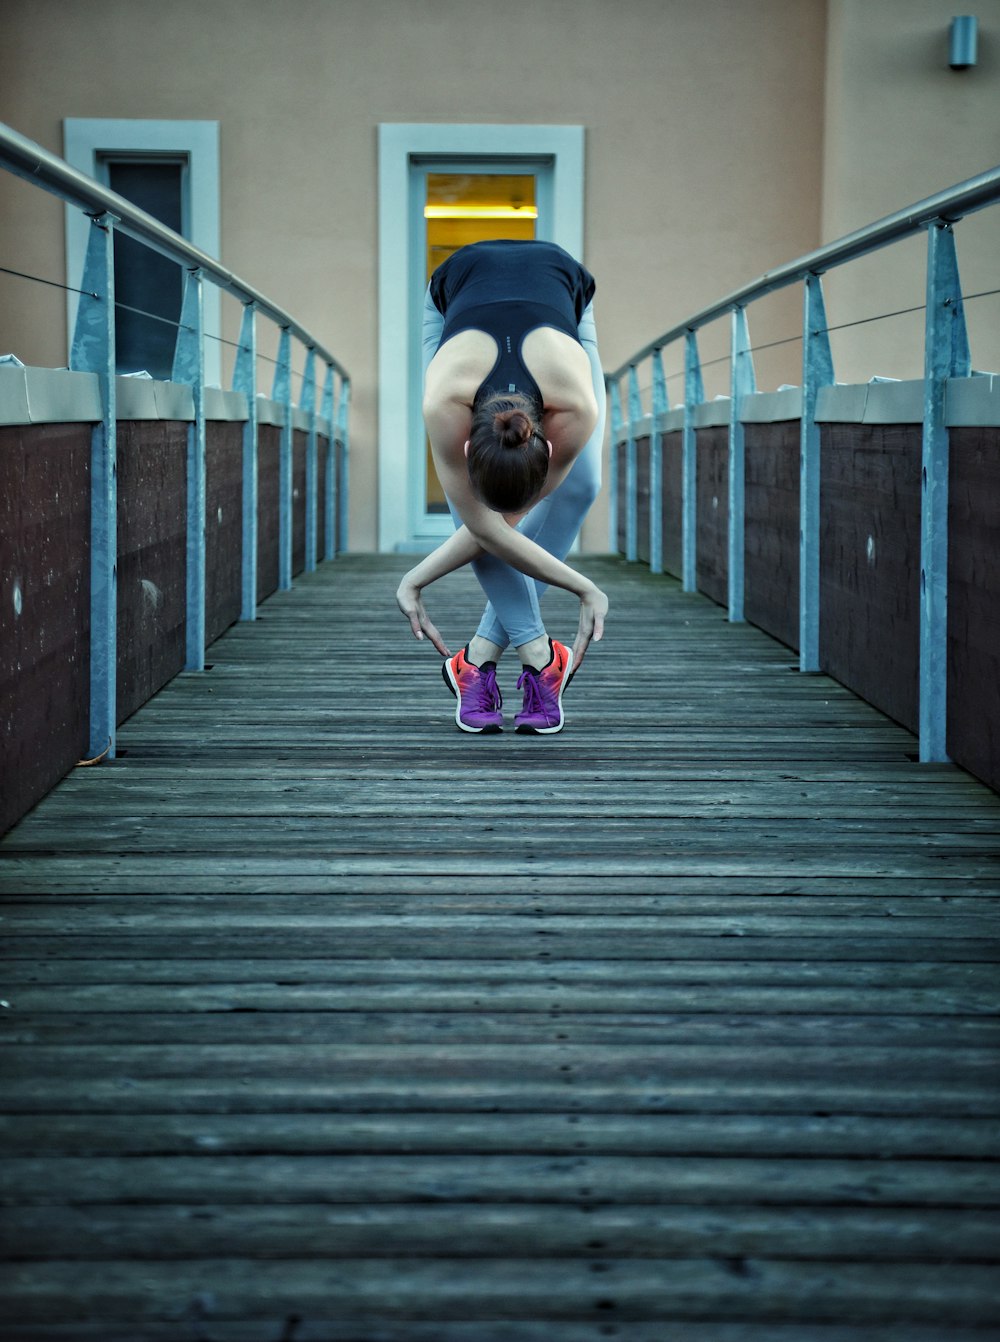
[508, 457]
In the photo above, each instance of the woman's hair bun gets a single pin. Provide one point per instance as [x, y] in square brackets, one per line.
[513, 427]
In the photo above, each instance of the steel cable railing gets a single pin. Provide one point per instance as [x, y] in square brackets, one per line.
[93, 350]
[946, 356]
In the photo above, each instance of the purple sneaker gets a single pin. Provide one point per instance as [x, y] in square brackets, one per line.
[477, 692]
[543, 691]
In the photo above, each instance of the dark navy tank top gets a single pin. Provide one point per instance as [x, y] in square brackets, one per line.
[508, 288]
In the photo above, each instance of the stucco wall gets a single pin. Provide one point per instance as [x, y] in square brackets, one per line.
[698, 175]
[705, 145]
[901, 125]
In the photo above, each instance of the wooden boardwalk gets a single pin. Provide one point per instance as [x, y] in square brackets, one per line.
[324, 1022]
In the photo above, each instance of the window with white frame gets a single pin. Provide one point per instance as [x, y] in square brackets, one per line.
[170, 169]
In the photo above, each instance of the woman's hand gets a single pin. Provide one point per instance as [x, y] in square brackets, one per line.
[593, 608]
[409, 600]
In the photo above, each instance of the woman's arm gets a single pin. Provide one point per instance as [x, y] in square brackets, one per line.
[447, 426]
[459, 549]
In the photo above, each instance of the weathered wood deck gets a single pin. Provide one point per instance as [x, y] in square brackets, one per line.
[325, 1021]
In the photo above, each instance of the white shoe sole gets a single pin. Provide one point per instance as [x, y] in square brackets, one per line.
[550, 731]
[462, 727]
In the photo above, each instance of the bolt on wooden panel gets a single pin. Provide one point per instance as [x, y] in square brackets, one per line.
[869, 626]
[44, 609]
[973, 738]
[223, 527]
[298, 501]
[771, 534]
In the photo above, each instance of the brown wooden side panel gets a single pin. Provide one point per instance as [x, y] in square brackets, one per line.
[870, 563]
[671, 477]
[322, 460]
[771, 598]
[622, 519]
[713, 514]
[268, 448]
[298, 501]
[44, 609]
[974, 602]
[152, 558]
[642, 499]
[223, 527]
[339, 538]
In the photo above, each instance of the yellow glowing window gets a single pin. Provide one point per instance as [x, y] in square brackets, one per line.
[472, 207]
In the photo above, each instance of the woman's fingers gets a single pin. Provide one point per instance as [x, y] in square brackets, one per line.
[591, 627]
[434, 636]
[421, 626]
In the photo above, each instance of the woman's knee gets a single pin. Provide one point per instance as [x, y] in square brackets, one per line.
[582, 485]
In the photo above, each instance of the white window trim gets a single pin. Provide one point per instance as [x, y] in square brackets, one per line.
[86, 138]
[398, 145]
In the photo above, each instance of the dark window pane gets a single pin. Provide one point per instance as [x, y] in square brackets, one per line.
[143, 278]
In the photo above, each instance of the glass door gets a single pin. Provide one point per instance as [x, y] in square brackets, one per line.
[463, 203]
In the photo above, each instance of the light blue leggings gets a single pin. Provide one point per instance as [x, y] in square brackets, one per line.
[512, 614]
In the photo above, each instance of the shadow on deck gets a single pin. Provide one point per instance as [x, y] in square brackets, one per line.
[322, 1020]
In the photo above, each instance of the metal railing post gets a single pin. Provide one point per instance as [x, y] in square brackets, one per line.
[307, 402]
[282, 393]
[614, 448]
[344, 479]
[330, 479]
[741, 383]
[93, 351]
[817, 371]
[245, 380]
[946, 354]
[631, 471]
[660, 407]
[694, 394]
[189, 367]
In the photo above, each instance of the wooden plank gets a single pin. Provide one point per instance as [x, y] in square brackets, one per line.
[931, 1008]
[490, 1230]
[319, 1328]
[974, 602]
[934, 1083]
[223, 526]
[519, 974]
[184, 922]
[772, 523]
[543, 943]
[152, 558]
[870, 562]
[580, 1178]
[291, 1028]
[558, 1133]
[268, 451]
[713, 513]
[369, 1290]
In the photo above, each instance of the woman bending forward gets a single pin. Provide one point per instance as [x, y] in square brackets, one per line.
[514, 408]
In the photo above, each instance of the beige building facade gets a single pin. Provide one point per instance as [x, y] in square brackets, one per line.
[715, 140]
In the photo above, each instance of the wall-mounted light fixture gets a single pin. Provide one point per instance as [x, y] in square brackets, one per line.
[962, 42]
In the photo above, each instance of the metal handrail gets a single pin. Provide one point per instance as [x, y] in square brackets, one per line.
[948, 206]
[24, 158]
[93, 351]
[946, 356]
